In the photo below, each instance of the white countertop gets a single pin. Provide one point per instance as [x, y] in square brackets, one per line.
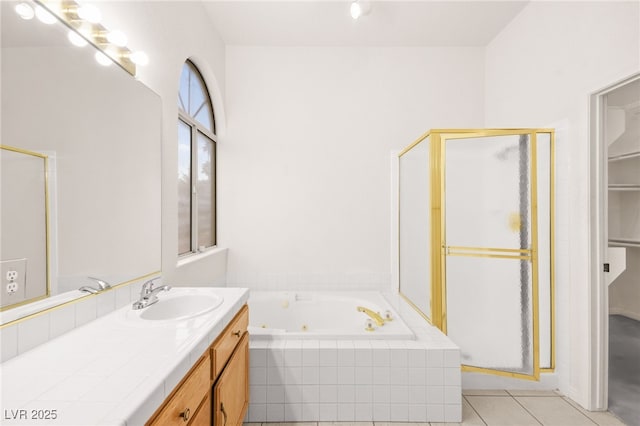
[112, 371]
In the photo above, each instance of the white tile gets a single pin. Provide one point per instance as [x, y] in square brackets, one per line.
[380, 357]
[310, 357]
[398, 394]
[311, 375]
[8, 342]
[381, 412]
[417, 413]
[500, 410]
[363, 394]
[363, 412]
[346, 375]
[106, 303]
[70, 389]
[417, 395]
[363, 357]
[398, 375]
[327, 412]
[452, 413]
[177, 374]
[275, 394]
[416, 358]
[310, 394]
[435, 358]
[451, 358]
[293, 375]
[452, 395]
[381, 376]
[398, 357]
[292, 412]
[275, 375]
[292, 357]
[399, 413]
[435, 394]
[293, 394]
[435, 376]
[123, 296]
[310, 412]
[33, 332]
[452, 377]
[275, 357]
[62, 320]
[258, 357]
[328, 394]
[346, 412]
[275, 412]
[346, 394]
[380, 394]
[86, 310]
[328, 357]
[328, 375]
[417, 376]
[257, 412]
[363, 375]
[258, 394]
[435, 413]
[346, 357]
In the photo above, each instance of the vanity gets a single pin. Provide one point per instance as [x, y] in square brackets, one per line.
[125, 369]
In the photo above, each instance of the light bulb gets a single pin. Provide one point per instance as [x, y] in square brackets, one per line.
[139, 58]
[117, 37]
[76, 39]
[103, 59]
[25, 11]
[356, 10]
[90, 13]
[44, 15]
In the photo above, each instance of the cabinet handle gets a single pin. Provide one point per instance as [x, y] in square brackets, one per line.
[185, 415]
[224, 413]
[237, 333]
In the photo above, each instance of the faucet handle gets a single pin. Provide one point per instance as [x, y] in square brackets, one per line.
[102, 284]
[147, 287]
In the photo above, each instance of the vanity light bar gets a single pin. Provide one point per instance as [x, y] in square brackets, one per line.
[88, 27]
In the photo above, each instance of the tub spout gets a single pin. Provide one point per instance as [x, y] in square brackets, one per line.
[374, 316]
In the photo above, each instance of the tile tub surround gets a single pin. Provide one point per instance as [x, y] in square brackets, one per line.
[358, 380]
[110, 372]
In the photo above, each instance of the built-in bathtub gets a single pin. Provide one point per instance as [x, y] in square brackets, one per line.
[314, 361]
[323, 315]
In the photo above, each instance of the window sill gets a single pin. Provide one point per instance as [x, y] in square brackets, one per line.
[195, 257]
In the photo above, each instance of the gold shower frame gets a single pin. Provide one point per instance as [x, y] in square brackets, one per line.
[439, 251]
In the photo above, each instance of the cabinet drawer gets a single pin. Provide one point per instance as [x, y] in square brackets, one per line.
[182, 406]
[226, 343]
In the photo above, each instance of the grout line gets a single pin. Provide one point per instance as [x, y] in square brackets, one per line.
[525, 409]
[474, 410]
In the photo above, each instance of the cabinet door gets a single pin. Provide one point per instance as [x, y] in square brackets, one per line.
[231, 391]
[203, 416]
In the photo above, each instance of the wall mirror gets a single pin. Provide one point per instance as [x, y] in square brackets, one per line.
[100, 130]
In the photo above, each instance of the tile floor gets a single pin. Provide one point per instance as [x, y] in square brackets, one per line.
[505, 408]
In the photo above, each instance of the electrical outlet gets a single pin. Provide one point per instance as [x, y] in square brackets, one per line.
[12, 275]
[13, 281]
[12, 287]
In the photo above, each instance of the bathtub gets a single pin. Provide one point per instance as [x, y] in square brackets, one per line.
[322, 316]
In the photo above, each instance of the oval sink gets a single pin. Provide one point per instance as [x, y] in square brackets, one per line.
[180, 306]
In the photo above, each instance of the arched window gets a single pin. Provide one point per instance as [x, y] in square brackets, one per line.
[196, 164]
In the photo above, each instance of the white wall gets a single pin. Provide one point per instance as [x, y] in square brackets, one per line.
[305, 173]
[539, 70]
[170, 33]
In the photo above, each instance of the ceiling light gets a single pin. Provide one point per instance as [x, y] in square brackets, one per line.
[44, 15]
[103, 59]
[117, 37]
[25, 11]
[90, 13]
[76, 39]
[139, 58]
[356, 10]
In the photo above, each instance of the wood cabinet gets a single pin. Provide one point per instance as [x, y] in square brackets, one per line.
[219, 379]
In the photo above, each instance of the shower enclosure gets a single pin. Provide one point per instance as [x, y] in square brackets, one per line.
[476, 243]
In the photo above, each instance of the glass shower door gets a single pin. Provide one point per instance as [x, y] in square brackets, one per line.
[489, 246]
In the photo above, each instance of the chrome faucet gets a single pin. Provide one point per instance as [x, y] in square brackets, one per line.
[102, 286]
[374, 315]
[149, 295]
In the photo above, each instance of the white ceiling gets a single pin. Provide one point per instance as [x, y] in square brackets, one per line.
[389, 23]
